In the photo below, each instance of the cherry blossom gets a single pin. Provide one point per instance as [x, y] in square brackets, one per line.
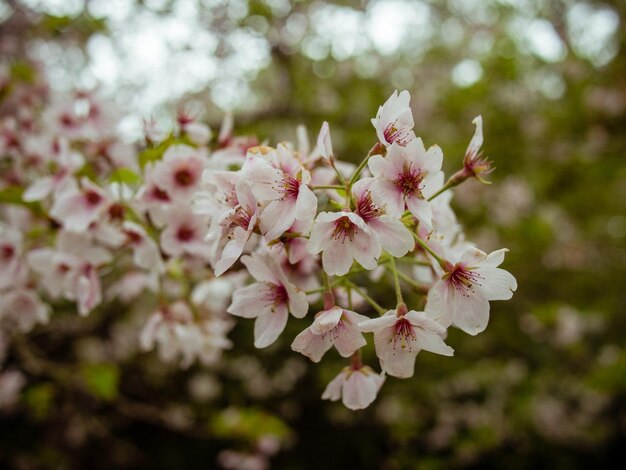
[10, 255]
[406, 177]
[343, 237]
[461, 297]
[474, 164]
[78, 207]
[269, 300]
[324, 144]
[230, 232]
[279, 178]
[335, 326]
[184, 234]
[179, 172]
[391, 233]
[398, 339]
[357, 386]
[394, 120]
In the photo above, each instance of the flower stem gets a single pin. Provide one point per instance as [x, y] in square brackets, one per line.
[372, 302]
[396, 281]
[359, 169]
[419, 287]
[329, 186]
[442, 262]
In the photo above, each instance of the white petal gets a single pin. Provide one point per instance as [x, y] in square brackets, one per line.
[366, 249]
[298, 303]
[348, 339]
[248, 302]
[277, 217]
[326, 320]
[432, 342]
[393, 235]
[260, 267]
[337, 258]
[470, 313]
[375, 324]
[311, 345]
[496, 283]
[334, 388]
[269, 325]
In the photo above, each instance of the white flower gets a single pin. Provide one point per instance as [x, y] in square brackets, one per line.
[391, 233]
[23, 308]
[343, 237]
[461, 297]
[179, 172]
[398, 339]
[280, 179]
[356, 386]
[324, 144]
[269, 300]
[335, 326]
[406, 178]
[77, 208]
[230, 232]
[184, 234]
[394, 120]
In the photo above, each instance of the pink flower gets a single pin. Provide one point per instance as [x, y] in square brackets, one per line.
[278, 177]
[394, 120]
[269, 300]
[231, 231]
[23, 308]
[179, 172]
[398, 339]
[146, 253]
[461, 297]
[474, 164]
[184, 234]
[335, 326]
[77, 208]
[70, 270]
[357, 386]
[324, 144]
[406, 177]
[391, 233]
[10, 255]
[343, 237]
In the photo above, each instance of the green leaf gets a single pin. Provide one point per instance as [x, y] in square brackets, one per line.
[125, 176]
[251, 424]
[102, 380]
[39, 399]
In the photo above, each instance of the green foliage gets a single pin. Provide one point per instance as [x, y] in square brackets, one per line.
[101, 379]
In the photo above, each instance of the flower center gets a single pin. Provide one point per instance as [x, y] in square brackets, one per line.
[393, 134]
[463, 279]
[184, 177]
[275, 295]
[159, 194]
[92, 197]
[238, 218]
[185, 233]
[409, 182]
[403, 333]
[366, 208]
[7, 252]
[344, 228]
[134, 238]
[290, 187]
[116, 212]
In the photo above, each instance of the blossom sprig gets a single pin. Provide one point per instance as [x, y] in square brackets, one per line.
[218, 228]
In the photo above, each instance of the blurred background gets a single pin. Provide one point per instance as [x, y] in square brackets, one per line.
[543, 386]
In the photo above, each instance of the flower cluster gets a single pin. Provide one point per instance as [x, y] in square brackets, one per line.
[221, 227]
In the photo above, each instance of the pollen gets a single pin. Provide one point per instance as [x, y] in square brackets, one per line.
[344, 228]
